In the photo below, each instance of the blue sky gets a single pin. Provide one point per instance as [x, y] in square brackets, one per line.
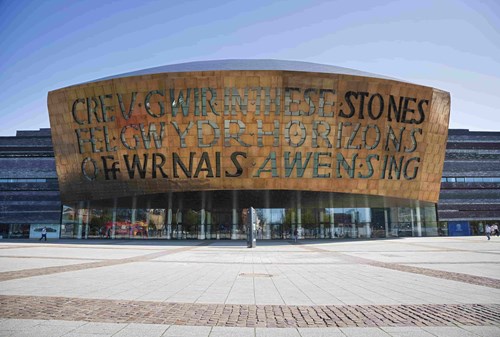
[450, 45]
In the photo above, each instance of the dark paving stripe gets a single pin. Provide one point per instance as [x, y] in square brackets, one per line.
[12, 275]
[443, 248]
[233, 315]
[452, 276]
[15, 247]
[48, 257]
[448, 262]
[447, 275]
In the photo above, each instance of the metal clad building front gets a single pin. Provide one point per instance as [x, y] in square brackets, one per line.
[470, 188]
[179, 151]
[29, 192]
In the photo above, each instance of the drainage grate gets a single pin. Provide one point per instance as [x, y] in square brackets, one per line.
[255, 275]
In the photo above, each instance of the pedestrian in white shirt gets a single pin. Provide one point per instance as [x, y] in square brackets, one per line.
[487, 230]
[494, 229]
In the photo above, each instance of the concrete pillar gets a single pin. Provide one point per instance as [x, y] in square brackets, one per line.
[299, 215]
[368, 219]
[148, 217]
[332, 218]
[79, 226]
[386, 219]
[201, 232]
[208, 233]
[112, 230]
[234, 224]
[168, 233]
[412, 213]
[178, 218]
[234, 217]
[87, 223]
[168, 219]
[368, 230]
[322, 225]
[267, 226]
[113, 219]
[133, 216]
[293, 226]
[419, 221]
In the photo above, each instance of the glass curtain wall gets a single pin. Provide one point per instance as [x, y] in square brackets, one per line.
[226, 223]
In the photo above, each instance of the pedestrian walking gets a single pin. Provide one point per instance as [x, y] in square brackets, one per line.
[44, 234]
[487, 230]
[295, 235]
[494, 229]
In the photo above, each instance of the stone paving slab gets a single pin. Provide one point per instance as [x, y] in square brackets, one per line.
[8, 264]
[4, 276]
[405, 287]
[41, 328]
[292, 285]
[461, 277]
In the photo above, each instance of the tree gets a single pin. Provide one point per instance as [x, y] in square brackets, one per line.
[308, 217]
[191, 217]
[289, 218]
[98, 222]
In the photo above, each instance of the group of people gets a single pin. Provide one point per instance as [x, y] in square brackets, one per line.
[491, 230]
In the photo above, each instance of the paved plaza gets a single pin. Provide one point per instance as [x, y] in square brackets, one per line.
[406, 287]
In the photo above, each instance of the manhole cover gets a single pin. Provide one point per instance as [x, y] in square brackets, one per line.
[255, 275]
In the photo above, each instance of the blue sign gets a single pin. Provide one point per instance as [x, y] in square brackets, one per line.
[459, 228]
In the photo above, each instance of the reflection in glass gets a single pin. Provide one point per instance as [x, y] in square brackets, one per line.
[218, 216]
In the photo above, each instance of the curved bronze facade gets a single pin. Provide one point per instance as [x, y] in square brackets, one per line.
[181, 131]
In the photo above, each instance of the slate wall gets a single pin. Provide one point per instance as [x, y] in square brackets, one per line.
[29, 156]
[470, 155]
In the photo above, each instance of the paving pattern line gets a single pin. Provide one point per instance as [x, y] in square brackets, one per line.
[21, 257]
[434, 248]
[13, 246]
[447, 275]
[18, 274]
[235, 315]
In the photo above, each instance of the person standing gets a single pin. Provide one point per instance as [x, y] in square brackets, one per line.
[295, 235]
[487, 230]
[44, 234]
